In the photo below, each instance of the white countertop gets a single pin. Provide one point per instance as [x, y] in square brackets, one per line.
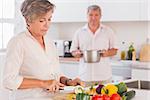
[133, 64]
[140, 95]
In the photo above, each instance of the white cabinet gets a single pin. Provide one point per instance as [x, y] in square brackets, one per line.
[119, 10]
[149, 10]
[125, 10]
[112, 10]
[144, 10]
[120, 70]
[141, 70]
[114, 0]
[71, 11]
[141, 74]
[70, 69]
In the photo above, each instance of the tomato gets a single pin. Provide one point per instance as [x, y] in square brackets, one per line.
[115, 97]
[106, 97]
[97, 97]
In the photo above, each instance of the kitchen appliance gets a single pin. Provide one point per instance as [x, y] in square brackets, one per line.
[60, 47]
[67, 46]
[91, 56]
[63, 48]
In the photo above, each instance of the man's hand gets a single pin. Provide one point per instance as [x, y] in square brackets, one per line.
[109, 52]
[77, 53]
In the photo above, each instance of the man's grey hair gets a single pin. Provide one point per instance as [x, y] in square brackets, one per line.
[94, 7]
[32, 9]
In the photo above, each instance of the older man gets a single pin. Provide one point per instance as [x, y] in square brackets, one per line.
[94, 36]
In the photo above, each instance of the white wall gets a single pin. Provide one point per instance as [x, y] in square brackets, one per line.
[135, 32]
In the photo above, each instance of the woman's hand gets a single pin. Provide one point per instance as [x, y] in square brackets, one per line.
[75, 82]
[52, 85]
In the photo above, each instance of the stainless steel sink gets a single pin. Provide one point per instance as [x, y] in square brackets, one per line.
[138, 84]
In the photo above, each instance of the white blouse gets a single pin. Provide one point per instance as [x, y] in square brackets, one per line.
[104, 38]
[26, 58]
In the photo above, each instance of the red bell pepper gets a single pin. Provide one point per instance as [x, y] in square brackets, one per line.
[97, 97]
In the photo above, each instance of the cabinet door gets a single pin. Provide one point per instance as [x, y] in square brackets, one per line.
[144, 8]
[121, 70]
[72, 11]
[119, 10]
[114, 0]
[140, 74]
[149, 10]
[70, 69]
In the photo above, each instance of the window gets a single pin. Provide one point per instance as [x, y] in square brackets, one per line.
[0, 8]
[1, 35]
[7, 17]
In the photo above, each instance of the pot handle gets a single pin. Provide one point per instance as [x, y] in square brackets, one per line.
[80, 51]
[101, 51]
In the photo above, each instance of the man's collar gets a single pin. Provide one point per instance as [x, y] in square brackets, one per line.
[87, 27]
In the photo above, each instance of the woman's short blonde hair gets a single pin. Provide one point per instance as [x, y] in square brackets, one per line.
[32, 9]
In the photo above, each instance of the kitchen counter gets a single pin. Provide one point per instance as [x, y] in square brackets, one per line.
[133, 64]
[140, 95]
[69, 60]
[123, 68]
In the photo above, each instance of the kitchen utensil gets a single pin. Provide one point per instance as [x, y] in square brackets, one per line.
[91, 56]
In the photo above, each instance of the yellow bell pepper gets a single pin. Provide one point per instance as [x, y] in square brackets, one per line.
[109, 89]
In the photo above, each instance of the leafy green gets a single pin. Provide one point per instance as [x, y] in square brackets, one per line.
[122, 88]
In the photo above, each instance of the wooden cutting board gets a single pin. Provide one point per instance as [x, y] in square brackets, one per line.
[64, 96]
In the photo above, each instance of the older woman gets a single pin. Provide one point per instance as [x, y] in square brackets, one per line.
[32, 64]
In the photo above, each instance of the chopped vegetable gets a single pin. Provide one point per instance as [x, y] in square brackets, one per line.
[82, 96]
[78, 89]
[115, 97]
[122, 88]
[97, 97]
[109, 89]
[129, 95]
[98, 89]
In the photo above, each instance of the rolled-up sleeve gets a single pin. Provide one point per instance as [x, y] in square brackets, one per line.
[14, 58]
[113, 40]
[75, 42]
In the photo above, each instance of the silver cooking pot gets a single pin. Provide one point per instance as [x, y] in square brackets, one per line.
[91, 56]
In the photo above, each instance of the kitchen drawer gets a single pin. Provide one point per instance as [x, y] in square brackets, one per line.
[124, 71]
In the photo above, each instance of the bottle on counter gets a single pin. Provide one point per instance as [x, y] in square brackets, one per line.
[131, 53]
[123, 52]
[134, 55]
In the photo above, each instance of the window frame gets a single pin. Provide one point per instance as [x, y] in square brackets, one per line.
[8, 21]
